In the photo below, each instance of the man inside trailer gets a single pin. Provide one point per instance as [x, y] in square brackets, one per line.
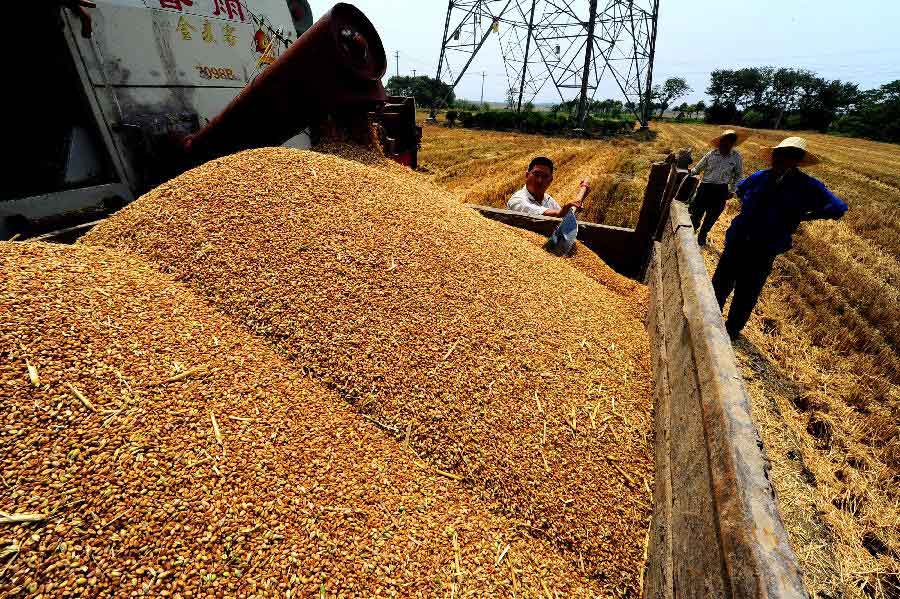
[533, 197]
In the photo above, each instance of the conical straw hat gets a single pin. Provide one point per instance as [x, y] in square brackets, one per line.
[740, 135]
[791, 142]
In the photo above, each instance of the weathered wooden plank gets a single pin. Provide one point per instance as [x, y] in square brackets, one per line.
[757, 558]
[696, 555]
[724, 535]
[658, 571]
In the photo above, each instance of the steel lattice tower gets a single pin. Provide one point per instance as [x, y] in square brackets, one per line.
[573, 44]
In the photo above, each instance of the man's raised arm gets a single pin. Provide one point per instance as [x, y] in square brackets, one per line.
[583, 189]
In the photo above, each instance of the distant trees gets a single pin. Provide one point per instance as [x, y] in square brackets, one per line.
[790, 98]
[609, 108]
[783, 97]
[876, 115]
[603, 108]
[428, 92]
[690, 111]
[511, 98]
[699, 108]
[548, 123]
[672, 89]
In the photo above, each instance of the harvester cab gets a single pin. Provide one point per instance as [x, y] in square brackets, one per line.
[133, 92]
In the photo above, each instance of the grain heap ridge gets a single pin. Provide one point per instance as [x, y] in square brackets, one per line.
[528, 380]
[150, 446]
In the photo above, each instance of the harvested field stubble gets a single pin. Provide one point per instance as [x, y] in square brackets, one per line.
[828, 326]
[494, 360]
[164, 450]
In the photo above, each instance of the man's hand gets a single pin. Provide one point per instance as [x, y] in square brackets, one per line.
[584, 189]
[562, 212]
[577, 205]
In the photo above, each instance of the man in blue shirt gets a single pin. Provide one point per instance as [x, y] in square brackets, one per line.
[773, 204]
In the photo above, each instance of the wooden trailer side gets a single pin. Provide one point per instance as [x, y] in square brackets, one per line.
[716, 530]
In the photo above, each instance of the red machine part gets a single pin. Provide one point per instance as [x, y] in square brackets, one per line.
[335, 68]
[400, 136]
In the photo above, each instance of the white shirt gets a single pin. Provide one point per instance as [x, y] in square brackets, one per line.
[723, 170]
[523, 201]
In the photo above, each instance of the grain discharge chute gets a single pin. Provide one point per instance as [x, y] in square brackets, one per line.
[153, 87]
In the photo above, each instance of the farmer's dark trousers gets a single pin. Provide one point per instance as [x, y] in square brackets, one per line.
[743, 270]
[707, 206]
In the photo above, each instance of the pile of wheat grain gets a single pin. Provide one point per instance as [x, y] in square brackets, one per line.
[150, 447]
[593, 266]
[488, 356]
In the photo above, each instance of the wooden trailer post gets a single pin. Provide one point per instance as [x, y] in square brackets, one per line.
[652, 211]
[676, 176]
[682, 192]
[716, 530]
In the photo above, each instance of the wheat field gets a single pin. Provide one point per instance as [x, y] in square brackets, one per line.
[821, 356]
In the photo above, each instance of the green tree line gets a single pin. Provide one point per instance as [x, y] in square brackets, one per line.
[428, 91]
[789, 98]
[758, 97]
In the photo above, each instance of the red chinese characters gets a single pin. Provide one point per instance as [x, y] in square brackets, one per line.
[175, 4]
[230, 9]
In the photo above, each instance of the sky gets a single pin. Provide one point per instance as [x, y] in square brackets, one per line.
[851, 40]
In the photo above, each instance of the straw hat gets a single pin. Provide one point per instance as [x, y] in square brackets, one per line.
[791, 142]
[740, 135]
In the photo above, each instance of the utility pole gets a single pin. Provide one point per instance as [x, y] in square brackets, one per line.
[483, 75]
[414, 72]
[525, 59]
[397, 57]
[588, 46]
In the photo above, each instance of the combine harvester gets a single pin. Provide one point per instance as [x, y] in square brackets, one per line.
[138, 89]
[154, 70]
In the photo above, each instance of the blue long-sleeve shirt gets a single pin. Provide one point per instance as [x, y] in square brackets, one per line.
[771, 211]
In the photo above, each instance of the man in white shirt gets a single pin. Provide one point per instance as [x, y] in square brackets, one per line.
[722, 168]
[533, 197]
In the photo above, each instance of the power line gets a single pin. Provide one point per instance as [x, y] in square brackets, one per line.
[412, 58]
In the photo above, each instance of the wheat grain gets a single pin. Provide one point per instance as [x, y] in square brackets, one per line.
[294, 245]
[137, 505]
